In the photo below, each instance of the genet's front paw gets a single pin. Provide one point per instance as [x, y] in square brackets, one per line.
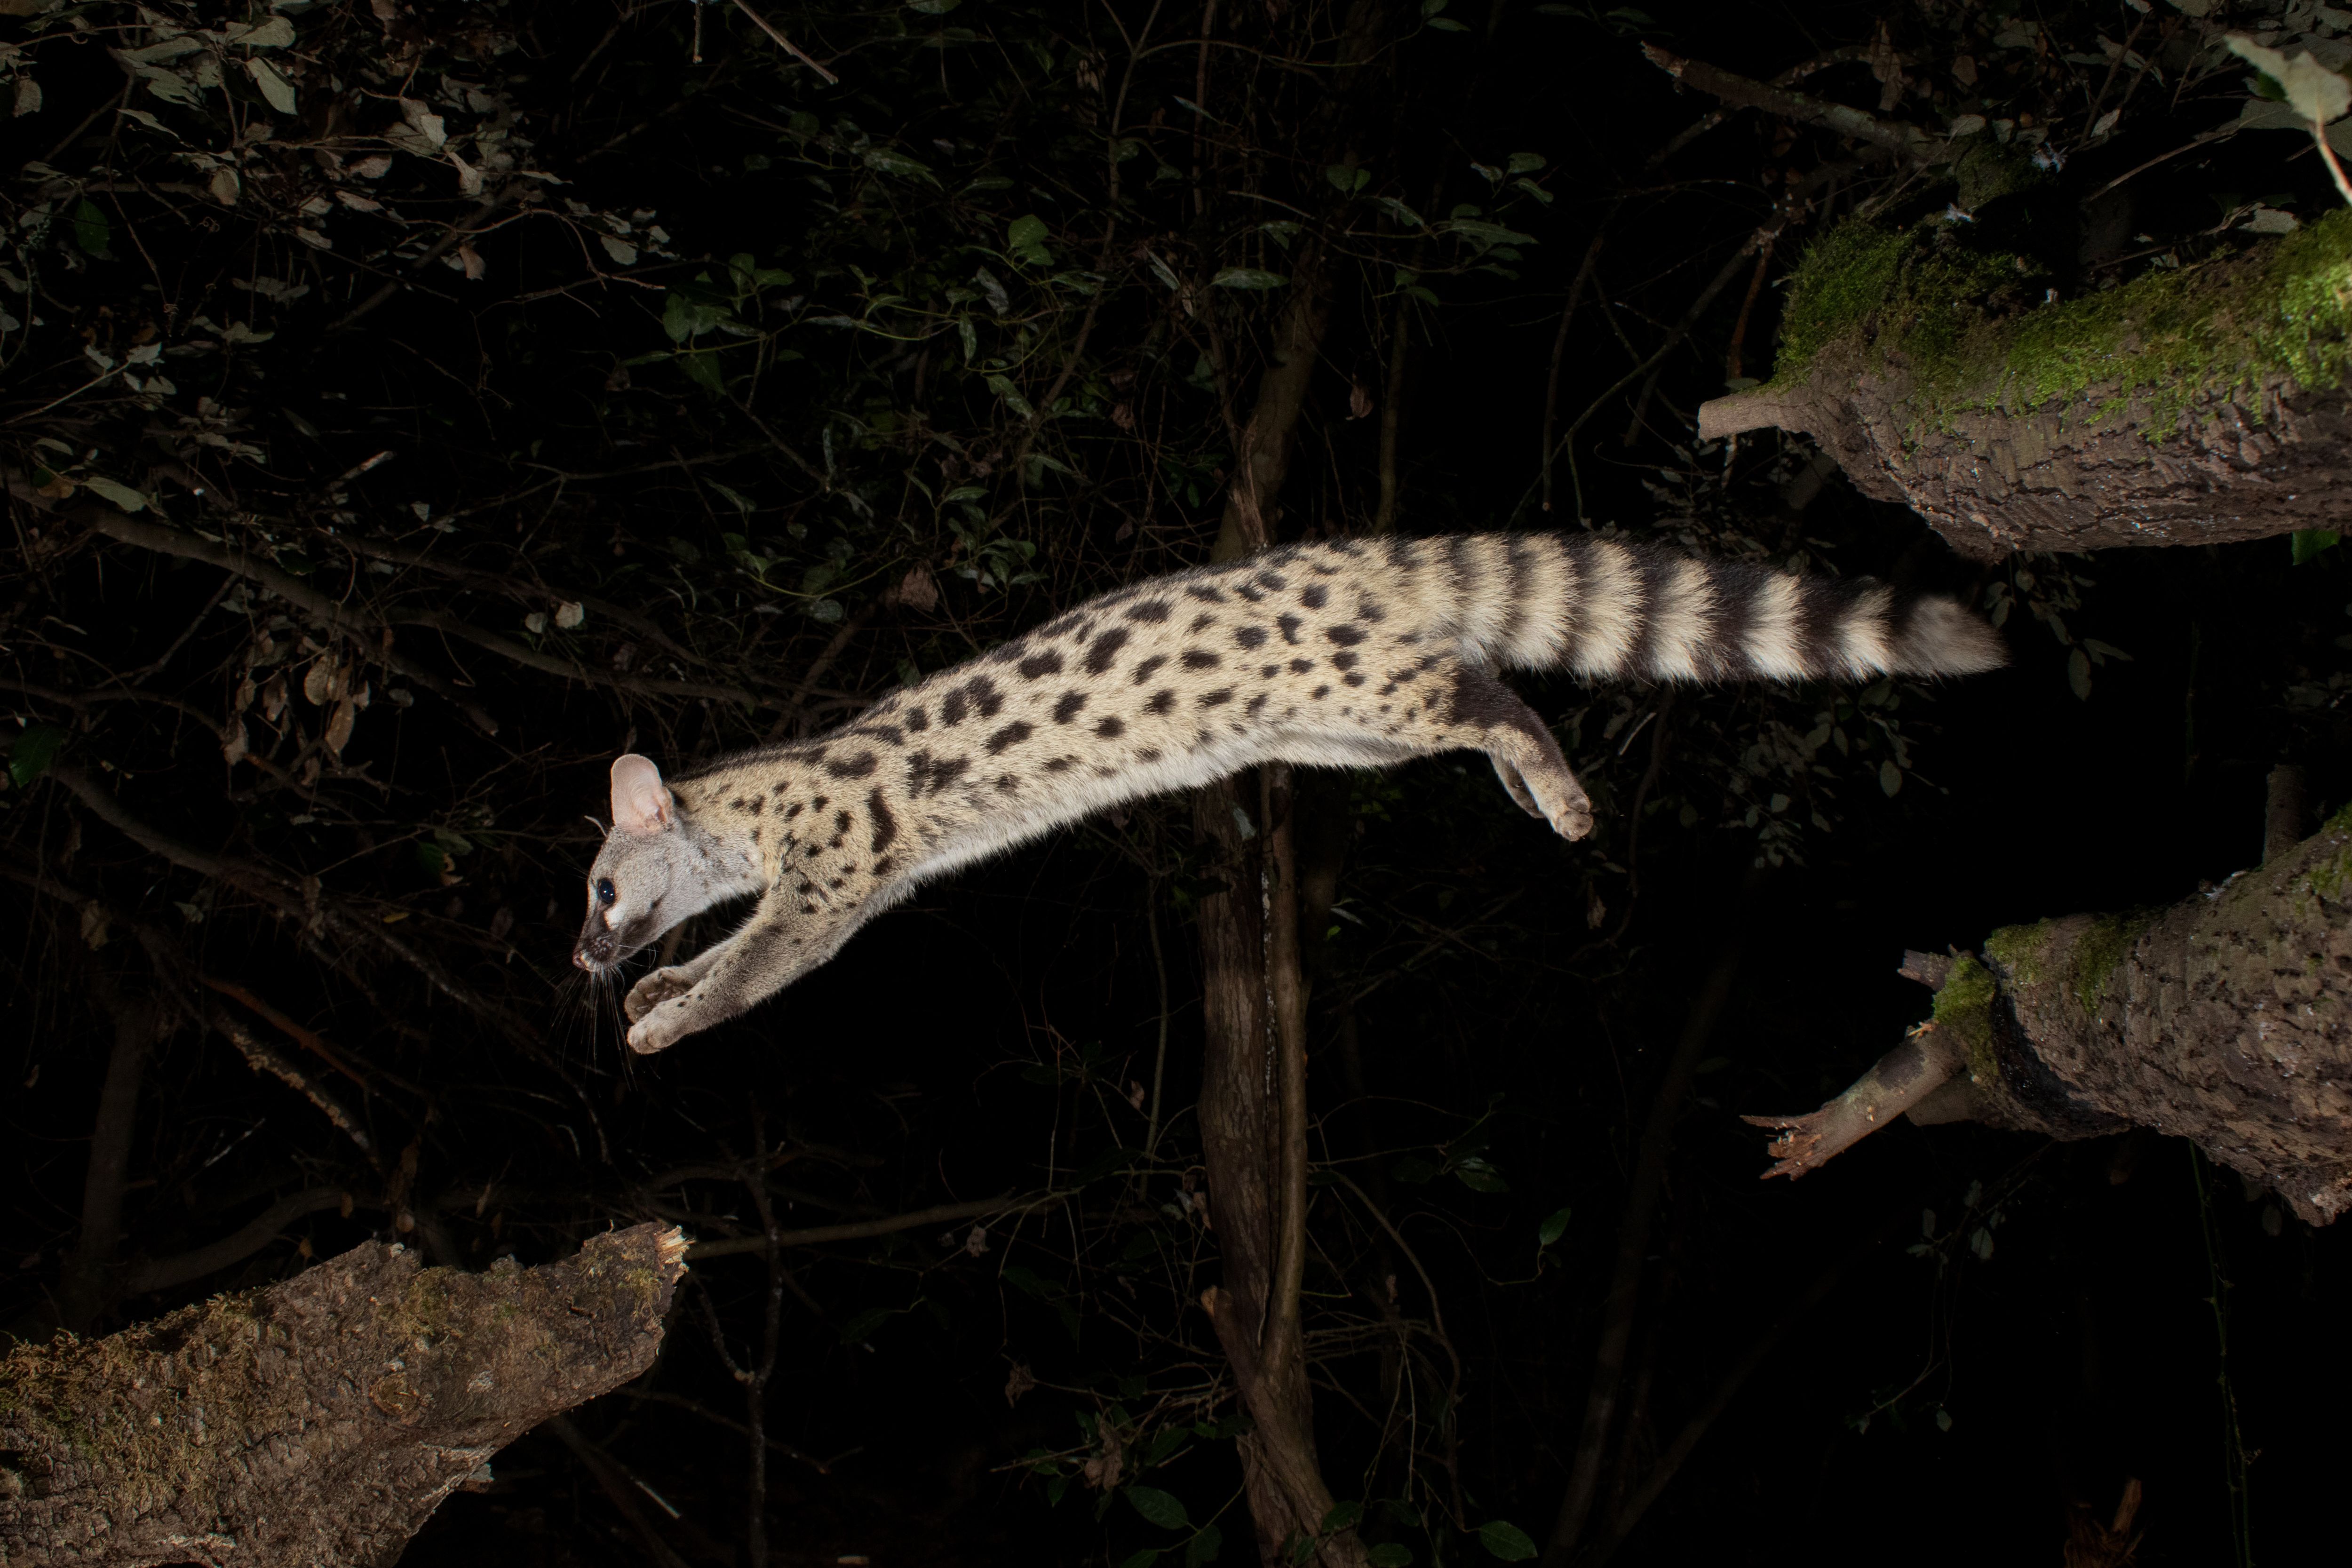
[654, 990]
[662, 1026]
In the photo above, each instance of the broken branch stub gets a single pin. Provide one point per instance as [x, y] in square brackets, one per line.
[2191, 406]
[320, 1421]
[2225, 1019]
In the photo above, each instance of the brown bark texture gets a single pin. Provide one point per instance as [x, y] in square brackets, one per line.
[2225, 1019]
[318, 1422]
[2204, 408]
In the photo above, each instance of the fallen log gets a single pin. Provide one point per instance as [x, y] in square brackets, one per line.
[320, 1421]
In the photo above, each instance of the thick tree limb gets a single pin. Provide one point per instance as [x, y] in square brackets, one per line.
[2189, 407]
[318, 1422]
[2226, 1019]
[1716, 82]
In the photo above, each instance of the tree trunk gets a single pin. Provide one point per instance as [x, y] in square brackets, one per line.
[2190, 407]
[2226, 1019]
[320, 1420]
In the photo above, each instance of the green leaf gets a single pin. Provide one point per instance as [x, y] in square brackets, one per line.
[2310, 89]
[1143, 1558]
[2309, 542]
[890, 162]
[1447, 24]
[1890, 778]
[1484, 234]
[1163, 1508]
[860, 1329]
[33, 750]
[274, 87]
[1204, 1547]
[92, 232]
[1346, 180]
[1507, 1541]
[1413, 1170]
[1390, 1554]
[1005, 389]
[933, 8]
[1023, 233]
[2078, 676]
[1552, 1229]
[1247, 278]
[1525, 162]
[1399, 211]
[1481, 1177]
[1343, 1516]
[273, 34]
[122, 495]
[702, 369]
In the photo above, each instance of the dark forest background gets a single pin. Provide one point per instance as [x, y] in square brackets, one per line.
[407, 407]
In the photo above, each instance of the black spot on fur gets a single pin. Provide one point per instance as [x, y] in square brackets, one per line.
[1289, 624]
[1106, 649]
[1147, 754]
[759, 804]
[1066, 709]
[984, 695]
[954, 708]
[886, 826]
[1343, 661]
[1161, 701]
[1254, 704]
[1110, 729]
[1352, 678]
[883, 865]
[1249, 636]
[1038, 664]
[1060, 764]
[737, 804]
[852, 767]
[1314, 595]
[1346, 636]
[1149, 612]
[819, 803]
[1320, 692]
[1268, 671]
[1272, 582]
[1223, 694]
[1202, 623]
[1368, 609]
[1143, 671]
[1301, 666]
[1200, 659]
[887, 734]
[1251, 594]
[1203, 592]
[927, 776]
[793, 810]
[917, 721]
[1007, 785]
[1012, 734]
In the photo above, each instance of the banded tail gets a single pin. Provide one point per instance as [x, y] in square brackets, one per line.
[1608, 609]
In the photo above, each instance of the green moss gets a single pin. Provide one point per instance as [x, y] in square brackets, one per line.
[2097, 950]
[1964, 1007]
[2019, 950]
[2168, 340]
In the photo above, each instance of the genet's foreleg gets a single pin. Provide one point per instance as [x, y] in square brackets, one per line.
[1472, 709]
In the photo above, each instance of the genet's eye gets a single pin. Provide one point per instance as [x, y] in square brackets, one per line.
[605, 894]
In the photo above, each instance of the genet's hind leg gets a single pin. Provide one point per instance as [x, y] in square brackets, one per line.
[1448, 706]
[1525, 756]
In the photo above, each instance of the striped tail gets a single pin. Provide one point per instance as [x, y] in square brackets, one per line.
[1606, 609]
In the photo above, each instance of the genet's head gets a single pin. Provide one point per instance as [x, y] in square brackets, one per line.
[645, 879]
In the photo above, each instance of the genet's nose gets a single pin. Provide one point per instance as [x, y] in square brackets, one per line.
[594, 952]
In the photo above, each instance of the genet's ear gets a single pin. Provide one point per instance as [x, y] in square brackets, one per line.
[641, 803]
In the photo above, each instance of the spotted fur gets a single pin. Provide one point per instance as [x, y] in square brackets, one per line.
[1346, 654]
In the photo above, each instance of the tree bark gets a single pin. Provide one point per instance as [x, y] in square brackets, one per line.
[2226, 1019]
[2193, 407]
[320, 1420]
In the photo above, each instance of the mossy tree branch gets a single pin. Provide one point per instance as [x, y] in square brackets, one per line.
[318, 1422]
[2191, 406]
[2226, 1019]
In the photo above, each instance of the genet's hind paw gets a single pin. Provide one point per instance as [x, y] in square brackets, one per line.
[654, 990]
[1551, 793]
